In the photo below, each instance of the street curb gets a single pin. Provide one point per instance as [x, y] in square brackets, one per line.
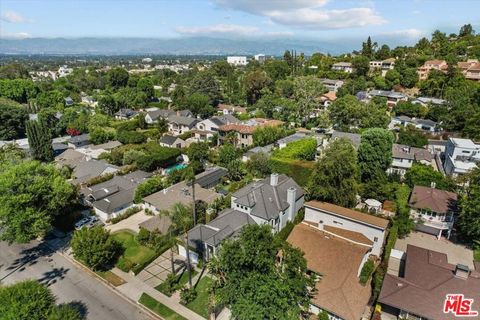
[109, 285]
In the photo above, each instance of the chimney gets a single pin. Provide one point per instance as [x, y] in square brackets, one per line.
[462, 271]
[291, 199]
[433, 185]
[274, 179]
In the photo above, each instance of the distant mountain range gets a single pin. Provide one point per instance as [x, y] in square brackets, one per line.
[175, 46]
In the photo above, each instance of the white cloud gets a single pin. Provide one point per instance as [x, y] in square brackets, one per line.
[13, 17]
[15, 35]
[306, 13]
[410, 33]
[218, 29]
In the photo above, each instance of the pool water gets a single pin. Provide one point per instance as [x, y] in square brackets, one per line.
[178, 166]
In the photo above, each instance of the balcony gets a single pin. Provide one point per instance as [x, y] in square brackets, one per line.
[434, 222]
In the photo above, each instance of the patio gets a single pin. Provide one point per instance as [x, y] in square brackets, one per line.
[156, 272]
[456, 253]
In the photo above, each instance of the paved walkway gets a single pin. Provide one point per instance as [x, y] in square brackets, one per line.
[456, 253]
[157, 271]
[131, 223]
[135, 287]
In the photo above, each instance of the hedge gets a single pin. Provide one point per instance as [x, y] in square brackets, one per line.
[131, 137]
[304, 149]
[129, 212]
[299, 170]
[99, 179]
[366, 272]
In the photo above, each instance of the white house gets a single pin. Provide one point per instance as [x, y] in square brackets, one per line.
[260, 57]
[237, 60]
[343, 66]
[461, 156]
[205, 129]
[172, 142]
[340, 221]
[178, 124]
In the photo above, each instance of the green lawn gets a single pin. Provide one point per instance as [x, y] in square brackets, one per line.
[182, 279]
[111, 277]
[134, 254]
[200, 304]
[476, 255]
[159, 308]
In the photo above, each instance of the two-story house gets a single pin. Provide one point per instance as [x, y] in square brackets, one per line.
[461, 156]
[273, 201]
[243, 132]
[392, 97]
[343, 222]
[343, 66]
[433, 209]
[332, 85]
[423, 71]
[178, 124]
[403, 157]
[205, 129]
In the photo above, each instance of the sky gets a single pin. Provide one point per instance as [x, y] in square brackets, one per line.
[333, 20]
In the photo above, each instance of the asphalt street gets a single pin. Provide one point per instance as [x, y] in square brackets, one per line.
[69, 283]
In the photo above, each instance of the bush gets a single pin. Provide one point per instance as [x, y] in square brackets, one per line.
[323, 315]
[131, 137]
[99, 179]
[304, 149]
[132, 156]
[129, 212]
[148, 187]
[268, 134]
[161, 158]
[187, 295]
[100, 135]
[366, 272]
[299, 170]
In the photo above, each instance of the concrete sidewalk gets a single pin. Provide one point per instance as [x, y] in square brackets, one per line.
[135, 287]
[131, 223]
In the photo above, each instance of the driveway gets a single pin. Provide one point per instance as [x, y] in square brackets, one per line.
[456, 253]
[68, 283]
[131, 223]
[157, 271]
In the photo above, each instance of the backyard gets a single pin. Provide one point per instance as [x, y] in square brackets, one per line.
[200, 303]
[135, 254]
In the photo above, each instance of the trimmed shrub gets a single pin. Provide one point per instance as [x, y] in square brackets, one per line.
[129, 212]
[366, 272]
[99, 179]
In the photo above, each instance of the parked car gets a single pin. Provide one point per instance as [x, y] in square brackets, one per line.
[88, 222]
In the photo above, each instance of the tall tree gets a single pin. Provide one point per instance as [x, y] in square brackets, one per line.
[117, 77]
[336, 174]
[40, 140]
[182, 221]
[375, 153]
[253, 285]
[468, 223]
[41, 194]
[12, 119]
[255, 82]
[306, 91]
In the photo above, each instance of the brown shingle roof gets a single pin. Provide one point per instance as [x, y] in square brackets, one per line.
[439, 201]
[351, 235]
[349, 213]
[428, 279]
[337, 261]
[251, 125]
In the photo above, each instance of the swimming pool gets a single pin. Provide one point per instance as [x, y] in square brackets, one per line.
[178, 166]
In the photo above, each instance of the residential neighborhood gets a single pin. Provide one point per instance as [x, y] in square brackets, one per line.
[282, 178]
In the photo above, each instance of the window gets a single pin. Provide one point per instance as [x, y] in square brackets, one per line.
[337, 222]
[375, 239]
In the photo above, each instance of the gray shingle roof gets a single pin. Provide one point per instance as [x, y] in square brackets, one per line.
[86, 170]
[267, 201]
[210, 176]
[170, 140]
[80, 138]
[160, 113]
[186, 121]
[353, 137]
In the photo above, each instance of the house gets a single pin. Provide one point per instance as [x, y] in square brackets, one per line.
[210, 177]
[332, 85]
[231, 109]
[158, 223]
[68, 101]
[70, 157]
[79, 141]
[206, 129]
[433, 209]
[343, 66]
[383, 65]
[421, 124]
[237, 60]
[205, 239]
[125, 114]
[461, 156]
[172, 142]
[273, 201]
[84, 171]
[178, 193]
[403, 157]
[392, 97]
[341, 222]
[337, 261]
[94, 151]
[89, 101]
[328, 98]
[256, 150]
[425, 101]
[436, 146]
[473, 73]
[152, 116]
[465, 65]
[113, 197]
[423, 71]
[179, 124]
[283, 142]
[354, 138]
[420, 290]
[244, 131]
[261, 58]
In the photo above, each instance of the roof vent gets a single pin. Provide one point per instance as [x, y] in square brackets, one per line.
[462, 271]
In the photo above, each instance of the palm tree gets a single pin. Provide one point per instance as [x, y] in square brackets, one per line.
[181, 223]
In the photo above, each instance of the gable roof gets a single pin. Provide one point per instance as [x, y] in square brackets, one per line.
[337, 262]
[439, 201]
[428, 278]
[80, 138]
[86, 170]
[348, 213]
[267, 201]
[169, 140]
[209, 176]
[160, 113]
[186, 121]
